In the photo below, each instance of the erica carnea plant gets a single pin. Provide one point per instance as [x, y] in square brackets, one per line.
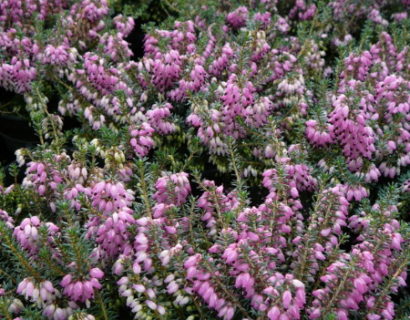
[253, 164]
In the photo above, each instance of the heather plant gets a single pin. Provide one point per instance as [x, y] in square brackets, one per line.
[251, 165]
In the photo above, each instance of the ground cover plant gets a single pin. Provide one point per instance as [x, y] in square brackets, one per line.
[205, 159]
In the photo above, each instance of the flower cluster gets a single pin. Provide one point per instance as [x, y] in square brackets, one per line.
[82, 290]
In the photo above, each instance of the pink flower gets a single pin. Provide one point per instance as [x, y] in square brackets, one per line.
[274, 313]
[286, 299]
[237, 19]
[96, 273]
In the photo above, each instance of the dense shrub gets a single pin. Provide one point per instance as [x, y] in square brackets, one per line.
[251, 165]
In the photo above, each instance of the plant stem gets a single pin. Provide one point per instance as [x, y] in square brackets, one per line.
[144, 190]
[102, 306]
